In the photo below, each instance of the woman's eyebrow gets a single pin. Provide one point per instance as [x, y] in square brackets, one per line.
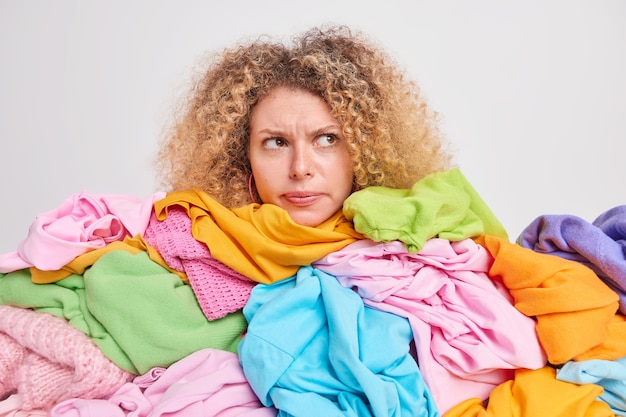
[326, 129]
[332, 128]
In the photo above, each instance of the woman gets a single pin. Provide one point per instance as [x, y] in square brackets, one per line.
[270, 143]
[301, 126]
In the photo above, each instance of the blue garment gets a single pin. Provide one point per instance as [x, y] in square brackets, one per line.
[313, 349]
[610, 375]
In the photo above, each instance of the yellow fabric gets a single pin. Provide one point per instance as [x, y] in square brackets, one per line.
[536, 393]
[572, 306]
[259, 241]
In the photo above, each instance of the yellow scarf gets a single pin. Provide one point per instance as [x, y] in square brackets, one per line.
[259, 241]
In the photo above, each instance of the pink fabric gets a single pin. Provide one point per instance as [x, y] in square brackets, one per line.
[12, 407]
[219, 289]
[208, 382]
[83, 222]
[44, 359]
[468, 334]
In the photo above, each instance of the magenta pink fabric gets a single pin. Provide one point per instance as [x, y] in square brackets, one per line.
[81, 223]
[208, 382]
[468, 334]
[220, 290]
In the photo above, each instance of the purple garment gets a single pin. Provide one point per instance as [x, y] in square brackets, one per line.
[600, 245]
[469, 336]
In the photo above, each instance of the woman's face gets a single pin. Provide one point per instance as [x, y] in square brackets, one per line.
[299, 158]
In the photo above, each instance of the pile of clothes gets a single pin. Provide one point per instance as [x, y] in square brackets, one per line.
[408, 302]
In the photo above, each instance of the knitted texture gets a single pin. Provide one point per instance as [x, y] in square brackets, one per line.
[45, 360]
[218, 288]
[11, 356]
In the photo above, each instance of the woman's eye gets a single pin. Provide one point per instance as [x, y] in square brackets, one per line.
[326, 140]
[273, 143]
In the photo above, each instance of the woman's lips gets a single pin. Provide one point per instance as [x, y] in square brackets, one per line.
[301, 199]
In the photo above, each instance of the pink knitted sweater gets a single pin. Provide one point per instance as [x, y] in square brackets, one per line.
[45, 360]
[218, 288]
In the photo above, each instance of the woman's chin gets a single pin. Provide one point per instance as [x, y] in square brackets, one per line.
[310, 218]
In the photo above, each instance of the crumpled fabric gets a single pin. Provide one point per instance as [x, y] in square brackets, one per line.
[220, 290]
[313, 349]
[44, 360]
[536, 393]
[442, 204]
[11, 407]
[572, 306]
[83, 222]
[600, 245]
[610, 375]
[208, 382]
[468, 335]
[259, 241]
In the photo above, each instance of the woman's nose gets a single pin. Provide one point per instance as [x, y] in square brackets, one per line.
[302, 164]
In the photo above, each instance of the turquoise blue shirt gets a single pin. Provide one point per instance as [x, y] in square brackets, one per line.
[313, 349]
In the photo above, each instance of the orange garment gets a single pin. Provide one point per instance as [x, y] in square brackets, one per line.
[571, 304]
[614, 347]
[79, 264]
[536, 393]
[259, 241]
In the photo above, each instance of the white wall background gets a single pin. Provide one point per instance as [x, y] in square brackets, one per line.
[532, 93]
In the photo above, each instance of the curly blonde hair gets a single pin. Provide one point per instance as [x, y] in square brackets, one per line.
[391, 133]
